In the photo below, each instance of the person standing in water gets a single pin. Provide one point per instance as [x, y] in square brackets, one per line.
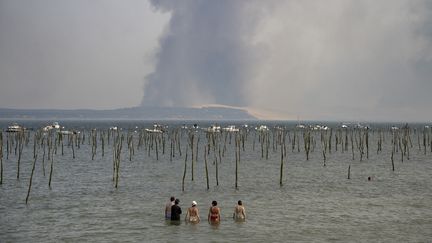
[192, 215]
[239, 212]
[168, 206]
[176, 211]
[214, 214]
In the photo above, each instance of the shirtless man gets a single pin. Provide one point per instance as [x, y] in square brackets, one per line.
[214, 214]
[239, 212]
[192, 215]
[176, 211]
[168, 206]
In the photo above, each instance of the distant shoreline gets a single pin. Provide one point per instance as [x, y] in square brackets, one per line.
[132, 113]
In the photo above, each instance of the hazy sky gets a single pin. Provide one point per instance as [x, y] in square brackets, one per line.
[307, 59]
[76, 53]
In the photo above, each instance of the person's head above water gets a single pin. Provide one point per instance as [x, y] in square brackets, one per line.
[214, 203]
[239, 202]
[177, 201]
[194, 203]
[172, 199]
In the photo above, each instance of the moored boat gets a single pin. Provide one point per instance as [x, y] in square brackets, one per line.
[15, 128]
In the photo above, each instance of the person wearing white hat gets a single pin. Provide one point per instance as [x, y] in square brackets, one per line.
[192, 214]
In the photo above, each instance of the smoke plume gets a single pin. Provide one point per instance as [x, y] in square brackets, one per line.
[205, 54]
[338, 59]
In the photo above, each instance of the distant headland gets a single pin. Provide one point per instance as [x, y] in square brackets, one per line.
[141, 112]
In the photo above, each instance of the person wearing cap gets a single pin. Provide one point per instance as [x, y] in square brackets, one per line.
[239, 212]
[168, 206]
[176, 210]
[192, 215]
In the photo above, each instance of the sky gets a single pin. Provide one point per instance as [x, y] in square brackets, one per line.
[280, 59]
[76, 53]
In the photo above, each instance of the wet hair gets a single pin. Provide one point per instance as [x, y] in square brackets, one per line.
[239, 202]
[177, 201]
[214, 203]
[172, 199]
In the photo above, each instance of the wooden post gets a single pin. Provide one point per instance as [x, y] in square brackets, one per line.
[281, 166]
[62, 143]
[51, 169]
[103, 143]
[324, 157]
[352, 145]
[307, 142]
[217, 171]
[118, 157]
[392, 153]
[184, 171]
[157, 149]
[367, 143]
[20, 144]
[206, 168]
[43, 156]
[73, 146]
[237, 148]
[349, 172]
[31, 177]
[1, 157]
[192, 138]
[7, 146]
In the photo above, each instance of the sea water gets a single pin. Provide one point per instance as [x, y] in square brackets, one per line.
[316, 203]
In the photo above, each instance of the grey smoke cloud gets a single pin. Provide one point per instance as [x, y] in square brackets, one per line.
[205, 54]
[347, 59]
[338, 59]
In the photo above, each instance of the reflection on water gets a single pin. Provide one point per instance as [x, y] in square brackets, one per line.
[175, 222]
[239, 221]
[315, 203]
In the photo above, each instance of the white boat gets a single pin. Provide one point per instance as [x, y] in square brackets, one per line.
[279, 128]
[156, 129]
[65, 132]
[230, 128]
[262, 128]
[320, 127]
[301, 126]
[15, 128]
[55, 125]
[213, 128]
[359, 126]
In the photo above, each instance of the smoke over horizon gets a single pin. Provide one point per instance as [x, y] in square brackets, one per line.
[205, 54]
[339, 59]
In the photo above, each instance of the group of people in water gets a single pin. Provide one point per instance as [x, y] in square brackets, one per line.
[173, 212]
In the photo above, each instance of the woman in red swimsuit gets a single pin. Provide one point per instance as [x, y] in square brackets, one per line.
[214, 214]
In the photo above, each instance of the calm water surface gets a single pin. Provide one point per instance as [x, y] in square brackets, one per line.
[315, 203]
